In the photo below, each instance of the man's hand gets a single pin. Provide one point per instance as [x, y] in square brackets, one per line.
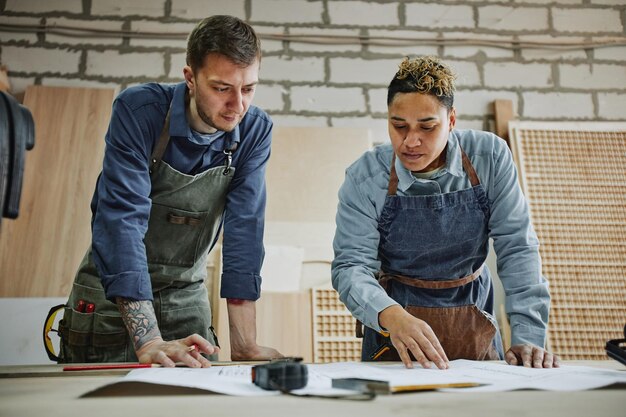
[187, 351]
[531, 356]
[242, 326]
[410, 334]
[150, 347]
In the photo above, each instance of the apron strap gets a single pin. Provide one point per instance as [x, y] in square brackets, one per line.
[164, 140]
[393, 177]
[384, 278]
[469, 169]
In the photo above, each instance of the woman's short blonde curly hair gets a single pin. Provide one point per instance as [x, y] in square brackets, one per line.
[425, 75]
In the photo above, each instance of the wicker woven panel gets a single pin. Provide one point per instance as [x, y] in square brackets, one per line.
[333, 329]
[575, 181]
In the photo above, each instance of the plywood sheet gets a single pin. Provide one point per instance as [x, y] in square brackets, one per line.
[307, 168]
[574, 176]
[41, 250]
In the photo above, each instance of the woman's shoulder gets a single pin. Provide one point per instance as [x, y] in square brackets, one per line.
[480, 143]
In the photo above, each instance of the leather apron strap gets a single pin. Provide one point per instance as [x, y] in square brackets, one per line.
[384, 278]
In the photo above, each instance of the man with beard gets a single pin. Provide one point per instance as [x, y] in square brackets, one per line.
[181, 162]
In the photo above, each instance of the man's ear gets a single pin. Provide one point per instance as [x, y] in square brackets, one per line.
[189, 78]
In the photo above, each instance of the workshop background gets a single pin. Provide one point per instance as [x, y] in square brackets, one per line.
[324, 74]
[343, 81]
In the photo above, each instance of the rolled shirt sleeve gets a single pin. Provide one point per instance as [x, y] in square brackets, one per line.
[121, 208]
[356, 253]
[527, 301]
[244, 219]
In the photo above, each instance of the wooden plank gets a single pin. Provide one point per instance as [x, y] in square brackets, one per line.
[503, 112]
[41, 250]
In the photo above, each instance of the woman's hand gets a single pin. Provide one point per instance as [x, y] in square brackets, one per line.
[531, 356]
[410, 334]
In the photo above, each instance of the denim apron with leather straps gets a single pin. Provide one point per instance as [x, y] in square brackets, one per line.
[185, 219]
[432, 250]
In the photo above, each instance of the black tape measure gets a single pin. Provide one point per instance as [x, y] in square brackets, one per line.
[281, 375]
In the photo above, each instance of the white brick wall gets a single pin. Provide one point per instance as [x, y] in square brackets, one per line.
[518, 75]
[362, 13]
[466, 73]
[557, 106]
[40, 60]
[44, 6]
[311, 47]
[587, 20]
[612, 53]
[480, 102]
[439, 16]
[84, 24]
[612, 105]
[552, 54]
[199, 9]
[152, 8]
[158, 27]
[269, 97]
[596, 76]
[513, 18]
[377, 71]
[283, 11]
[458, 50]
[7, 36]
[178, 62]
[378, 99]
[324, 84]
[116, 64]
[277, 68]
[327, 99]
[413, 48]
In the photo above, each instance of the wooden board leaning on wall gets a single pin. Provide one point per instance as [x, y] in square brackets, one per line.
[41, 249]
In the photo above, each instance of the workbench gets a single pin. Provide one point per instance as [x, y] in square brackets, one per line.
[44, 390]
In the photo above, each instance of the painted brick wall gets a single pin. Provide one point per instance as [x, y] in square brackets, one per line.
[344, 84]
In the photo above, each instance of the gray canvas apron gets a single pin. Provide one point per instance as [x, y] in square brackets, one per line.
[185, 219]
[432, 250]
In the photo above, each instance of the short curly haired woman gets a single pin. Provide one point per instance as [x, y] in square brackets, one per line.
[413, 224]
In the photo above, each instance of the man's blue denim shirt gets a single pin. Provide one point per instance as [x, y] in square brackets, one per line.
[121, 203]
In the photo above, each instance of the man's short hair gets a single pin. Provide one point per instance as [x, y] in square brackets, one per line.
[225, 35]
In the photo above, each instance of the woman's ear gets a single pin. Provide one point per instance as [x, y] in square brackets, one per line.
[452, 118]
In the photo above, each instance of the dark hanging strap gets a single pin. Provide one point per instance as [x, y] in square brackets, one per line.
[393, 177]
[164, 140]
[469, 169]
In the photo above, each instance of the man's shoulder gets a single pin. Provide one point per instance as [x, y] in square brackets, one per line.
[141, 95]
[256, 116]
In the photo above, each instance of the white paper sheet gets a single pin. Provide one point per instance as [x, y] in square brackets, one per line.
[236, 380]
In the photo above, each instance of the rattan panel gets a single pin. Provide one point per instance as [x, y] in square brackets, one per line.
[574, 178]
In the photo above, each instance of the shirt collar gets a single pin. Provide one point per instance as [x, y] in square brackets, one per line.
[178, 118]
[454, 165]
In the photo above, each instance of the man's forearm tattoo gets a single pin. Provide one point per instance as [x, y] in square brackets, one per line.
[140, 321]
